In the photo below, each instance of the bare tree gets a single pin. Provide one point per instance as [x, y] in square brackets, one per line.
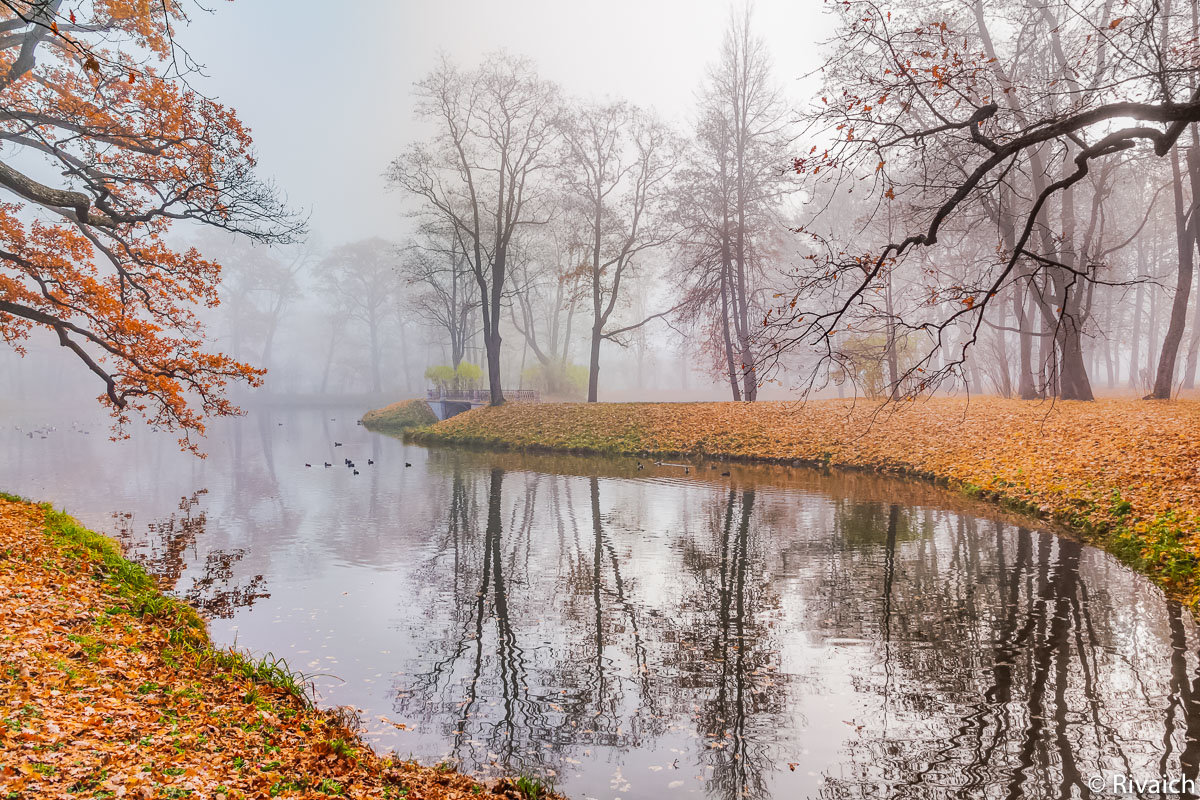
[548, 288]
[360, 280]
[730, 201]
[446, 295]
[617, 162]
[479, 173]
[259, 284]
[1040, 125]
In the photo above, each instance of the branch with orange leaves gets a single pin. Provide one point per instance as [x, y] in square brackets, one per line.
[101, 100]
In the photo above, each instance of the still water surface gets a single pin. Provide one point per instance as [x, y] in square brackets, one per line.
[770, 633]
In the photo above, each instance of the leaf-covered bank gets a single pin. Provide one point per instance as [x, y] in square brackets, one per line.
[108, 688]
[399, 416]
[1123, 473]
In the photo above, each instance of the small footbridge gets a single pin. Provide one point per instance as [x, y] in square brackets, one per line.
[448, 402]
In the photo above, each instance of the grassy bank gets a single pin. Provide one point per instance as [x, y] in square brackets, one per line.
[111, 689]
[1124, 474]
[399, 417]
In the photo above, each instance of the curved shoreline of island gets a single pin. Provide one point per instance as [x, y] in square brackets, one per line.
[1121, 474]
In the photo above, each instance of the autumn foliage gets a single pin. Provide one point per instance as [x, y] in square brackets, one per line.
[97, 94]
[110, 689]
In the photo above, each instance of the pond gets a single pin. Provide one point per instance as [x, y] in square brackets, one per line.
[730, 632]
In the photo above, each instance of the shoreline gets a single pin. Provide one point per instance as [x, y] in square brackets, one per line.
[1119, 474]
[112, 688]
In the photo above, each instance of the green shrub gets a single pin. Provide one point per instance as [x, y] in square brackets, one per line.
[567, 382]
[468, 376]
[442, 376]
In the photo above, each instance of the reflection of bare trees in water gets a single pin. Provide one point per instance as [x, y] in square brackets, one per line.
[506, 681]
[735, 661]
[548, 652]
[164, 554]
[999, 681]
[987, 666]
[481, 657]
[600, 600]
[215, 591]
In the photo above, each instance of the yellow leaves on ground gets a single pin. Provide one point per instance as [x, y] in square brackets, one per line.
[100, 697]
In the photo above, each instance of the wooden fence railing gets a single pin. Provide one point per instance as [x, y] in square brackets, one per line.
[483, 395]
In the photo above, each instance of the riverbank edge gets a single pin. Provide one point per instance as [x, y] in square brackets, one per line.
[399, 417]
[1156, 547]
[288, 694]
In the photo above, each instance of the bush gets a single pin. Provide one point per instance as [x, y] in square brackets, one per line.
[468, 376]
[446, 377]
[442, 376]
[567, 382]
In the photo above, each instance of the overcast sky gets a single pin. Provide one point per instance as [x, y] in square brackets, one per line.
[328, 95]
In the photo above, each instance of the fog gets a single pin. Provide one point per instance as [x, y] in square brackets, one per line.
[348, 114]
[328, 99]
[329, 96]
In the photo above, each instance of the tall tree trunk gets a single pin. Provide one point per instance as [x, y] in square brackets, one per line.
[598, 319]
[1164, 377]
[1109, 362]
[1004, 386]
[1026, 388]
[725, 308]
[1152, 344]
[491, 327]
[1047, 358]
[594, 362]
[1135, 347]
[740, 293]
[1073, 379]
[1193, 162]
[1073, 383]
[1189, 372]
[491, 343]
[745, 353]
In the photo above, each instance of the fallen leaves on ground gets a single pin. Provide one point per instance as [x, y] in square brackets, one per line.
[108, 689]
[1103, 466]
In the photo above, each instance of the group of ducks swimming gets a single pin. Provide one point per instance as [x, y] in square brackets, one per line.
[686, 467]
[350, 464]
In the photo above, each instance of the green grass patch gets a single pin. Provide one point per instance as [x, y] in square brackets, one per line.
[1157, 548]
[139, 595]
[532, 787]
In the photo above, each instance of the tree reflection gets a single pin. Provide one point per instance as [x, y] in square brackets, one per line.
[739, 657]
[988, 660]
[1009, 687]
[504, 681]
[165, 553]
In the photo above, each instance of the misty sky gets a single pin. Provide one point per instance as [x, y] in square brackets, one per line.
[328, 95]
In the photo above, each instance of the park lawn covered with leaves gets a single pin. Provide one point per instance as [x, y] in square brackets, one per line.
[108, 688]
[1123, 473]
